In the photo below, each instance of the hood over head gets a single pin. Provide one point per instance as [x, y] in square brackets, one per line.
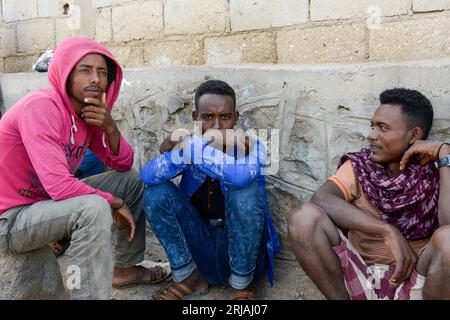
[66, 57]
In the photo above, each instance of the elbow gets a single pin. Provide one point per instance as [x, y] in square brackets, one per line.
[147, 174]
[147, 178]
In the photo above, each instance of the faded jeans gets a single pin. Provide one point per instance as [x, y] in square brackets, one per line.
[233, 254]
[87, 220]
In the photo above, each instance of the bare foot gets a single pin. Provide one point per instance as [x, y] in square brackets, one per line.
[196, 281]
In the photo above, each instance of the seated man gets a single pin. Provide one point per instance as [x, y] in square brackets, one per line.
[215, 228]
[389, 201]
[44, 137]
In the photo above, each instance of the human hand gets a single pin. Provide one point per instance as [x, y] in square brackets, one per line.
[226, 140]
[96, 112]
[177, 137]
[429, 150]
[405, 257]
[123, 217]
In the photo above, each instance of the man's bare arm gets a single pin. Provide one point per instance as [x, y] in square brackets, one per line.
[331, 200]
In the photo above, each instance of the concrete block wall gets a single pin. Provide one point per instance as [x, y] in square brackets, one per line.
[145, 33]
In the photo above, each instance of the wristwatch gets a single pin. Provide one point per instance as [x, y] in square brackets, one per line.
[443, 162]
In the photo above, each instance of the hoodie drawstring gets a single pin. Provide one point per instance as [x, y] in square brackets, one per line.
[72, 129]
[103, 140]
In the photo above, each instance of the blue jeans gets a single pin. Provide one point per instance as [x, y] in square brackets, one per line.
[234, 254]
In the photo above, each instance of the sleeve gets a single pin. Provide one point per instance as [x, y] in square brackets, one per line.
[236, 173]
[100, 146]
[41, 129]
[164, 167]
[345, 180]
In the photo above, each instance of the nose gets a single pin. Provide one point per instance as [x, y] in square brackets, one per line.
[94, 77]
[373, 135]
[216, 124]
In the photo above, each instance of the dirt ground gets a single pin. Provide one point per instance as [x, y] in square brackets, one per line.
[291, 282]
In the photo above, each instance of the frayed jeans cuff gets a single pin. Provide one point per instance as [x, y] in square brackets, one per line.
[181, 274]
[240, 282]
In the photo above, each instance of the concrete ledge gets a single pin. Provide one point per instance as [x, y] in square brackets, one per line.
[34, 275]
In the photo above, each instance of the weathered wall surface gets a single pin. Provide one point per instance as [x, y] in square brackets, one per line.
[145, 33]
[320, 111]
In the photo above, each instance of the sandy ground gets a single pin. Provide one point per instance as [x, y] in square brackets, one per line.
[291, 282]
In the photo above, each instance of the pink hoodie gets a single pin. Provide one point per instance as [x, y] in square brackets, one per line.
[43, 141]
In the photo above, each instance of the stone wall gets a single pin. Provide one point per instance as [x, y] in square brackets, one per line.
[320, 111]
[146, 33]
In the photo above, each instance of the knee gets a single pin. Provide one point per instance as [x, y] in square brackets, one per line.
[248, 198]
[157, 195]
[96, 210]
[303, 221]
[133, 179]
[441, 240]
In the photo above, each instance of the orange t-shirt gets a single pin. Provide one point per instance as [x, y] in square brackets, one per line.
[371, 247]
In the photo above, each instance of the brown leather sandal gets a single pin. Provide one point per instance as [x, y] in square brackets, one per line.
[177, 291]
[243, 295]
[157, 275]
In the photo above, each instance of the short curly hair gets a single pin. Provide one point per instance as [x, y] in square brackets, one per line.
[416, 107]
[215, 87]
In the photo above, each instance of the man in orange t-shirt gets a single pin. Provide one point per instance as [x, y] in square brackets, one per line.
[378, 228]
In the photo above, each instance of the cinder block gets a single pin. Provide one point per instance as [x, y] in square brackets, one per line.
[327, 44]
[178, 52]
[19, 63]
[35, 36]
[8, 42]
[243, 48]
[430, 5]
[138, 21]
[129, 56]
[17, 10]
[196, 16]
[249, 15]
[345, 9]
[413, 39]
[103, 28]
[48, 8]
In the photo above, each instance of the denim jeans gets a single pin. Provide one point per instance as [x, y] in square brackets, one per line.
[234, 254]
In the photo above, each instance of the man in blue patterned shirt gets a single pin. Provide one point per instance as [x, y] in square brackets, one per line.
[215, 227]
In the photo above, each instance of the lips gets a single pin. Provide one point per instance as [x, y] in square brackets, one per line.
[93, 89]
[375, 147]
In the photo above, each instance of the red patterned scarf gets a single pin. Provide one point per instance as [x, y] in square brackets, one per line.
[408, 201]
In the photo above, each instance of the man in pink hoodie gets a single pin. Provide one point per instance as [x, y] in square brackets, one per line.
[43, 139]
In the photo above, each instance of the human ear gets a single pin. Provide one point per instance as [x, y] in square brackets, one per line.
[414, 135]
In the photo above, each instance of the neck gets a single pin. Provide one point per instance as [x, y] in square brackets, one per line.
[77, 105]
[392, 169]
